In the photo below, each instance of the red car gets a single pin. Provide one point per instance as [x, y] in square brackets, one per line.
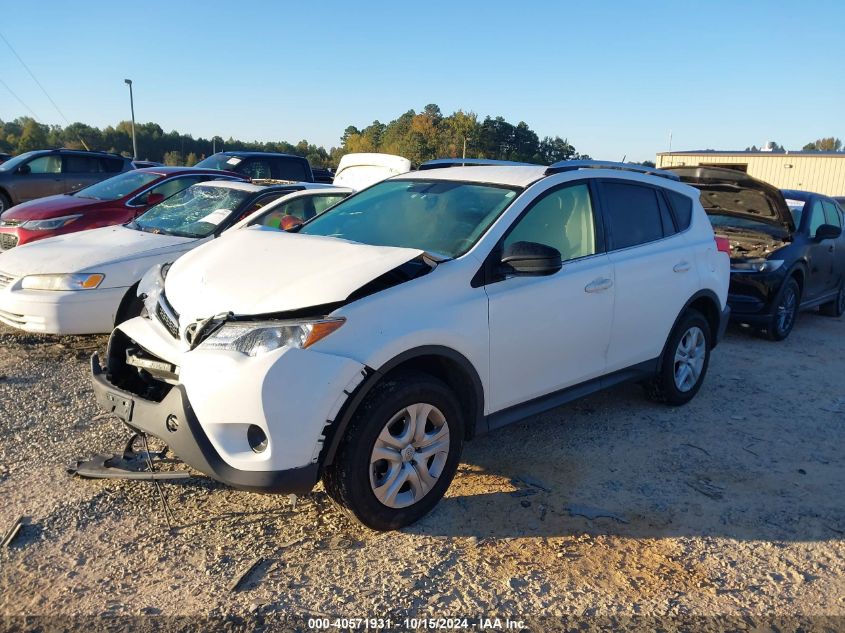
[114, 201]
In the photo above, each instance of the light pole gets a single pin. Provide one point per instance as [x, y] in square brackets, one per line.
[128, 82]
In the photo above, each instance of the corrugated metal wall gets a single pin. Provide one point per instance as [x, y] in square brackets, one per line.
[823, 174]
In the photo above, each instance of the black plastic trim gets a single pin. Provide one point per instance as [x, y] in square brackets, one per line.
[539, 405]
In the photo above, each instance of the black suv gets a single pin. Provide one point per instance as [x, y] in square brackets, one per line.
[787, 247]
[55, 171]
[261, 165]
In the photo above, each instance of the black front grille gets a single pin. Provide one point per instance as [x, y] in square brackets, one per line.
[7, 241]
[166, 320]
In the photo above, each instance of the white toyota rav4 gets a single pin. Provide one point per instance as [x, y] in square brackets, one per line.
[413, 316]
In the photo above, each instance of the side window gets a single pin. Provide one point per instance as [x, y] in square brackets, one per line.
[111, 165]
[632, 213]
[682, 208]
[831, 214]
[816, 217]
[260, 203]
[562, 219]
[256, 168]
[45, 165]
[75, 164]
[297, 211]
[286, 169]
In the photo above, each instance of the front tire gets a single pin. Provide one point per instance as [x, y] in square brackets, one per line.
[685, 361]
[835, 308]
[785, 311]
[399, 454]
[5, 202]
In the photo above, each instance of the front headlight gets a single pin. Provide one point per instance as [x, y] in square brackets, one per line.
[151, 286]
[756, 265]
[51, 224]
[78, 281]
[259, 337]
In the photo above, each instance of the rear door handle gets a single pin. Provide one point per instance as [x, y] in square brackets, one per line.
[681, 267]
[598, 285]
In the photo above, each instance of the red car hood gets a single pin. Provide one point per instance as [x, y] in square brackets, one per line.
[50, 207]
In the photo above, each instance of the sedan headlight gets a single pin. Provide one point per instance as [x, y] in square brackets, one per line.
[77, 281]
[259, 337]
[756, 265]
[151, 287]
[51, 224]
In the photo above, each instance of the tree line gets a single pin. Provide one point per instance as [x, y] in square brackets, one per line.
[419, 136]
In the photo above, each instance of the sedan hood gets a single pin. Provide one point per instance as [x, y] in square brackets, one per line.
[259, 270]
[86, 251]
[732, 192]
[46, 208]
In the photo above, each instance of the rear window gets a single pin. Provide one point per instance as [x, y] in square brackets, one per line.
[632, 213]
[681, 207]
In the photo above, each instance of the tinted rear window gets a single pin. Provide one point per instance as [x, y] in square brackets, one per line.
[632, 213]
[681, 207]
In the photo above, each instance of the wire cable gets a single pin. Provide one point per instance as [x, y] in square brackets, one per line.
[35, 79]
[21, 101]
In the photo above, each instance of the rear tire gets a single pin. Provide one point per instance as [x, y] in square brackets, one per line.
[835, 308]
[685, 361]
[399, 454]
[5, 202]
[785, 311]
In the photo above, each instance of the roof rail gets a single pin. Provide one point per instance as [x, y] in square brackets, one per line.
[437, 163]
[572, 165]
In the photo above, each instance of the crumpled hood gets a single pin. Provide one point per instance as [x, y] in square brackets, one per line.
[87, 251]
[260, 271]
[49, 207]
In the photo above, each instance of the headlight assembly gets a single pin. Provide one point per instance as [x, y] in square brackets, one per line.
[756, 265]
[77, 281]
[259, 337]
[51, 224]
[151, 286]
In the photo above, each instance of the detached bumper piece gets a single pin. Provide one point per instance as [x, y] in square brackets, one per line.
[131, 464]
[174, 422]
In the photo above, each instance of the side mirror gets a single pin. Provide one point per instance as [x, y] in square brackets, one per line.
[828, 232]
[24, 169]
[154, 198]
[530, 258]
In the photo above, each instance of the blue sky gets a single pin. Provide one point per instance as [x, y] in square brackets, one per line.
[612, 77]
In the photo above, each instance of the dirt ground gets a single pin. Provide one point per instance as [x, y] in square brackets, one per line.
[608, 508]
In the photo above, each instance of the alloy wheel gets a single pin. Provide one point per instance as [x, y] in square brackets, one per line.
[409, 455]
[689, 358]
[786, 310]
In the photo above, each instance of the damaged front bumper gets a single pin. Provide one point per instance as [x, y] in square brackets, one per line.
[173, 421]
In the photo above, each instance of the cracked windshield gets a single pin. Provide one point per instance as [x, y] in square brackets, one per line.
[195, 212]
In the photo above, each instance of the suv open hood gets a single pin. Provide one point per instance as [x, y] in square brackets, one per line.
[358, 171]
[258, 270]
[732, 192]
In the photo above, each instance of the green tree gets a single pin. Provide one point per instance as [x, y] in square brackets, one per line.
[828, 144]
[33, 136]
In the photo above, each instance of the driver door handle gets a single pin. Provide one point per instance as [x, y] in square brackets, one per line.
[681, 267]
[599, 285]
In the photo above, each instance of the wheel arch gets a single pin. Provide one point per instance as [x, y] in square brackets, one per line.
[4, 191]
[707, 303]
[444, 363]
[125, 303]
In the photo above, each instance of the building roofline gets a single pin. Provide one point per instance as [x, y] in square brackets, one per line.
[713, 152]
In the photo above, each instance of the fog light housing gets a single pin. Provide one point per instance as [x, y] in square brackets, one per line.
[257, 438]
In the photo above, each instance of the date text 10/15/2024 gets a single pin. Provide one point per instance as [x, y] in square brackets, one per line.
[477, 624]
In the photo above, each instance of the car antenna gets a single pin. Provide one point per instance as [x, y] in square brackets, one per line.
[168, 513]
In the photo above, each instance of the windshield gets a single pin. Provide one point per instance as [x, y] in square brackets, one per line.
[12, 163]
[195, 212]
[117, 187]
[219, 161]
[796, 208]
[442, 217]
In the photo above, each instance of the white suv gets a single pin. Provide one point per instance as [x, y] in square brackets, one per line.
[413, 316]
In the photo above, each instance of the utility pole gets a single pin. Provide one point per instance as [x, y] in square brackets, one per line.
[132, 106]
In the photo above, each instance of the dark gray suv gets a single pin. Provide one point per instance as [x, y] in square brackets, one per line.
[55, 171]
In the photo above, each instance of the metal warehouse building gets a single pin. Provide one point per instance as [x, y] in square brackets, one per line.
[822, 172]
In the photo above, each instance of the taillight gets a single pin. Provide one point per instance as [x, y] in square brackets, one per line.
[723, 245]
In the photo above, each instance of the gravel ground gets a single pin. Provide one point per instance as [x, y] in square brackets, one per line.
[610, 507]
